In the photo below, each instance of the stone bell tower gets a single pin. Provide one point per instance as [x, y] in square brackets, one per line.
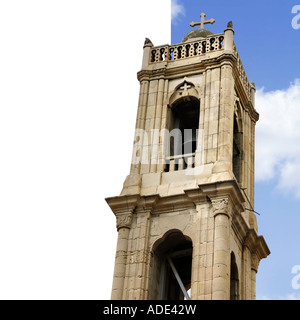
[185, 217]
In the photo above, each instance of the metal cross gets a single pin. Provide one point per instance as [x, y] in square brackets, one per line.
[202, 22]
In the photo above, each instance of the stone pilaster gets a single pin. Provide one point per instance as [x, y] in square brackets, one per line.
[221, 261]
[137, 153]
[254, 268]
[123, 208]
[137, 278]
[256, 249]
[202, 262]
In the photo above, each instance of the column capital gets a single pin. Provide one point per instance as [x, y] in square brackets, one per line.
[123, 207]
[221, 206]
[124, 220]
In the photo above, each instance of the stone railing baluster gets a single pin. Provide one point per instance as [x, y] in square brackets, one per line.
[172, 53]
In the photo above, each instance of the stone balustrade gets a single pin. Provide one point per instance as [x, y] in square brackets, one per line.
[191, 49]
[187, 50]
[242, 72]
[180, 162]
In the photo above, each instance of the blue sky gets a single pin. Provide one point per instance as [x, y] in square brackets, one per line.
[269, 47]
[262, 29]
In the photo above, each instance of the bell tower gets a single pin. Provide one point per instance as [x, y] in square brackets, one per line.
[185, 216]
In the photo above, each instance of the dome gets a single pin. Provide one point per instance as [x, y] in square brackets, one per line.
[197, 33]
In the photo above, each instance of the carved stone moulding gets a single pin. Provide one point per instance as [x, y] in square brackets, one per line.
[123, 207]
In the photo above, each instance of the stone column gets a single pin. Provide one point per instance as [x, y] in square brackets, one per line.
[221, 260]
[123, 226]
[137, 152]
[245, 281]
[155, 135]
[122, 207]
[140, 258]
[226, 112]
[162, 131]
[202, 260]
[254, 268]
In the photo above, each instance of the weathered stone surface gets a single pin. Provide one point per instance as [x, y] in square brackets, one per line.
[196, 199]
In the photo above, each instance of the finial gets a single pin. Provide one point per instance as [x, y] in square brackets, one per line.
[148, 43]
[202, 22]
[230, 24]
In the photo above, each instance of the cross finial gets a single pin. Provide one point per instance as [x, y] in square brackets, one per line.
[202, 22]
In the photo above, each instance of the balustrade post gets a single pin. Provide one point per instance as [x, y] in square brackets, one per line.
[147, 51]
[228, 37]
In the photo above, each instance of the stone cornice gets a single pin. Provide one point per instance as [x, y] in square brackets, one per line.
[147, 203]
[197, 196]
[173, 203]
[123, 207]
[247, 104]
[254, 115]
[175, 69]
[123, 204]
[225, 189]
[256, 244]
[225, 198]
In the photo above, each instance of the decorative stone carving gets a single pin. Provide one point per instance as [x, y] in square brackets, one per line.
[187, 50]
[220, 206]
[124, 220]
[140, 257]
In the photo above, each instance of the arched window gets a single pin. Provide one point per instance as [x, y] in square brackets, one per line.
[171, 269]
[183, 125]
[234, 279]
[184, 117]
[237, 152]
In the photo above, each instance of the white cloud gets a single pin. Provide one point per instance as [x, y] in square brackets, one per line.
[292, 296]
[288, 296]
[278, 136]
[177, 9]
